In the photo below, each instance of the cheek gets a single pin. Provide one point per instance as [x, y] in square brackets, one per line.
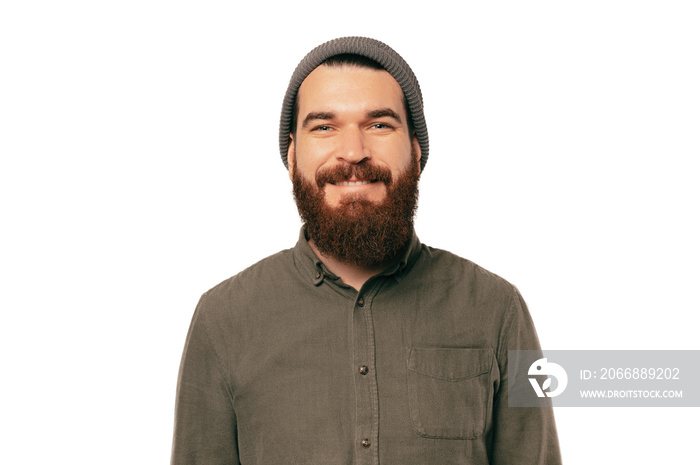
[400, 156]
[309, 157]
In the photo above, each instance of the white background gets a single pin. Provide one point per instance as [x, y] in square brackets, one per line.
[140, 167]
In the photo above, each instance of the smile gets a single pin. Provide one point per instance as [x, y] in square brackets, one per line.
[353, 183]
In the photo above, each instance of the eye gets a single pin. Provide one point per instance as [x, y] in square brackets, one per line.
[381, 126]
[322, 128]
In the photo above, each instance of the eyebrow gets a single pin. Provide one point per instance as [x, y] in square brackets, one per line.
[384, 112]
[326, 115]
[320, 115]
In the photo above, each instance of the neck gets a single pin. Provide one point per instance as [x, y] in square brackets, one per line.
[352, 275]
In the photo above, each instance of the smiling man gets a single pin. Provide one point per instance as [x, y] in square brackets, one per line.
[355, 167]
[360, 344]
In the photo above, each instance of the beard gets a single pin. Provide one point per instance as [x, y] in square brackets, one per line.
[358, 231]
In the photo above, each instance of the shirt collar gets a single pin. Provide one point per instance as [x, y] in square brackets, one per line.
[407, 258]
[306, 260]
[310, 265]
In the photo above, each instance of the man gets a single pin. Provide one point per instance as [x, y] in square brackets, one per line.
[359, 345]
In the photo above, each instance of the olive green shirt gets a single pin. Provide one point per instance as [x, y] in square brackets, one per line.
[285, 364]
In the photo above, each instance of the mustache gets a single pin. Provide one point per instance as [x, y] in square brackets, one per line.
[360, 171]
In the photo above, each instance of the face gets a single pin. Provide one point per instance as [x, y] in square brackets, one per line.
[349, 118]
[354, 167]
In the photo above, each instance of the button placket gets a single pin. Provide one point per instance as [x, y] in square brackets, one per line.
[365, 379]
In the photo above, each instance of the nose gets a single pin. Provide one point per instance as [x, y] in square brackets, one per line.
[352, 147]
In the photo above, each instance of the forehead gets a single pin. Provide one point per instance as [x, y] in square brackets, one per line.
[351, 88]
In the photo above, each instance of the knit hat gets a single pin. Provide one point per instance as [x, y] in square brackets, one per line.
[374, 50]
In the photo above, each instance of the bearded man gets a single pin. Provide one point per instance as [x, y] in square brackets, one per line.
[360, 344]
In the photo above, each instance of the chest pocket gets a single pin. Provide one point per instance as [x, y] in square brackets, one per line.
[449, 391]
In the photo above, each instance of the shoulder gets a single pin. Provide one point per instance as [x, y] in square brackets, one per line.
[435, 263]
[483, 295]
[246, 284]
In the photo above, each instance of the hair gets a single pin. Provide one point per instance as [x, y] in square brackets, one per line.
[359, 61]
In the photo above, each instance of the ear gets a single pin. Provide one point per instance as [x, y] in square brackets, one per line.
[416, 151]
[290, 155]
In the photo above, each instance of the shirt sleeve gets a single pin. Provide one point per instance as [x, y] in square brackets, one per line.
[522, 435]
[205, 421]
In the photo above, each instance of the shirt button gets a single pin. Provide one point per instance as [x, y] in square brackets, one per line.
[318, 275]
[364, 370]
[361, 302]
[366, 443]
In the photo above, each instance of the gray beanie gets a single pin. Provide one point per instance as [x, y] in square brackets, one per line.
[374, 50]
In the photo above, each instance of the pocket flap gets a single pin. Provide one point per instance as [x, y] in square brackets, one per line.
[450, 364]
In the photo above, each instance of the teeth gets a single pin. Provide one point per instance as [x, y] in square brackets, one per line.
[355, 183]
